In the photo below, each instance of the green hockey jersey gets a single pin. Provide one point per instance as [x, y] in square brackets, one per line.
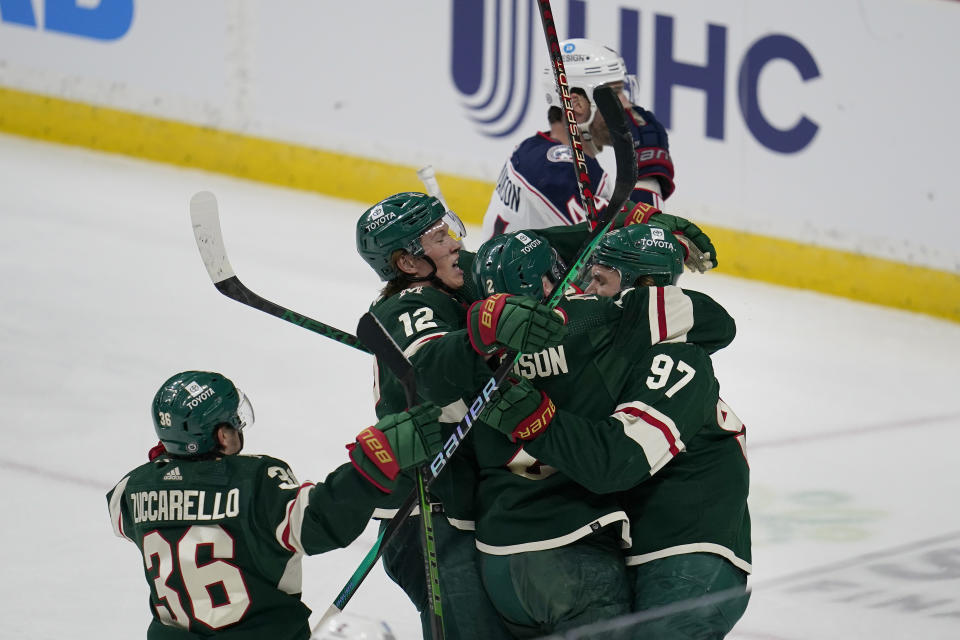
[673, 448]
[446, 372]
[525, 503]
[222, 540]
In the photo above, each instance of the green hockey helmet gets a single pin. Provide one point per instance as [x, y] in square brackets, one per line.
[514, 263]
[398, 222]
[641, 250]
[190, 406]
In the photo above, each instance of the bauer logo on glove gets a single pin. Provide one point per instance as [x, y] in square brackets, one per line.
[533, 425]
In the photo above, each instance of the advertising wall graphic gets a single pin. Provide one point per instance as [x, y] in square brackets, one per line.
[816, 152]
[492, 66]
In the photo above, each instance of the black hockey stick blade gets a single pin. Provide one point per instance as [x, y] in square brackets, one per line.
[609, 106]
[373, 334]
[613, 114]
[205, 217]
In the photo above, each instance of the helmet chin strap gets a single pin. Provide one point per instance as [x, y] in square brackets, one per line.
[585, 125]
[432, 277]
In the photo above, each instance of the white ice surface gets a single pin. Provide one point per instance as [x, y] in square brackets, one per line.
[850, 407]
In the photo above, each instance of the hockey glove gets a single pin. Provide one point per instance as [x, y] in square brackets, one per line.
[515, 322]
[398, 442]
[653, 148]
[699, 252]
[521, 412]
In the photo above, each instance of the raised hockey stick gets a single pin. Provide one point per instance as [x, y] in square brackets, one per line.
[388, 352]
[609, 106]
[205, 216]
[429, 179]
[576, 140]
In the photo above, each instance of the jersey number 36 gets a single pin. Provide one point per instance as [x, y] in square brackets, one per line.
[203, 583]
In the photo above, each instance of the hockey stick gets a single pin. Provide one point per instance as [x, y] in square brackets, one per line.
[429, 180]
[576, 141]
[205, 218]
[612, 111]
[373, 334]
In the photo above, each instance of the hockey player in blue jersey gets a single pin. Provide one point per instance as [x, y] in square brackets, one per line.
[537, 187]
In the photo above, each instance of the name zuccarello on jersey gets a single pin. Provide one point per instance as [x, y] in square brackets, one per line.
[186, 505]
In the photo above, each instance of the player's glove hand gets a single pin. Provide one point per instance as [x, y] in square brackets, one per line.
[521, 412]
[398, 442]
[653, 148]
[515, 322]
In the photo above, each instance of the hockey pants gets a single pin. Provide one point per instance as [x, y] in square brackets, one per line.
[556, 590]
[683, 578]
[467, 612]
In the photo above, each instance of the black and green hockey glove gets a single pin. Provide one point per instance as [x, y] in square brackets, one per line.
[514, 322]
[398, 442]
[700, 253]
[521, 412]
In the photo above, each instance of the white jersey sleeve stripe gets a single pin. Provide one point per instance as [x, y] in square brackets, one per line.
[288, 532]
[654, 431]
[116, 509]
[292, 579]
[671, 314]
[417, 344]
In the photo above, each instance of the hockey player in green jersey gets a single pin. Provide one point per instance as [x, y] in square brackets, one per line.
[539, 541]
[414, 245]
[407, 240]
[222, 535]
[669, 443]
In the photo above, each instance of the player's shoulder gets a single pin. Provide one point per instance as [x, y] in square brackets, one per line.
[576, 299]
[145, 472]
[264, 467]
[688, 351]
[255, 463]
[699, 295]
[535, 143]
[541, 150]
[585, 312]
[256, 460]
[414, 298]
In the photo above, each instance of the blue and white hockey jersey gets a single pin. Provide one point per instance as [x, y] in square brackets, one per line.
[537, 188]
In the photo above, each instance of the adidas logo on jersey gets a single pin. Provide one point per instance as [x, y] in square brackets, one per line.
[173, 474]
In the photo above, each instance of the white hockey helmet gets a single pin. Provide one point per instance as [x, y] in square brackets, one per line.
[347, 626]
[588, 65]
